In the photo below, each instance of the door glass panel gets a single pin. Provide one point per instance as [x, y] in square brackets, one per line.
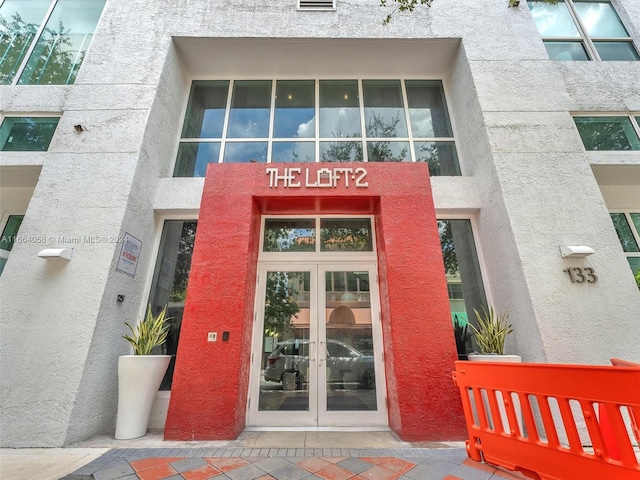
[348, 355]
[285, 345]
[341, 235]
[289, 235]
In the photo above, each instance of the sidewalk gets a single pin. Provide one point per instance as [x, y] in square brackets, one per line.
[253, 456]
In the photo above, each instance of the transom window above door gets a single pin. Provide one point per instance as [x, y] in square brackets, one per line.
[317, 235]
[286, 121]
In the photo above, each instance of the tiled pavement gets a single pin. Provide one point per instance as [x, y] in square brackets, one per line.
[287, 464]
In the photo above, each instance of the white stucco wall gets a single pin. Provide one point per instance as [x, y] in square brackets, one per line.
[527, 180]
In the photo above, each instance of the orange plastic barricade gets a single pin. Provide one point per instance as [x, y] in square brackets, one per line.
[542, 420]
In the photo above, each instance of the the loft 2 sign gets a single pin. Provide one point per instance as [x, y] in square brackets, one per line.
[297, 177]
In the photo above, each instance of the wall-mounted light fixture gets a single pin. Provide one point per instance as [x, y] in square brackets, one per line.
[576, 251]
[79, 128]
[56, 253]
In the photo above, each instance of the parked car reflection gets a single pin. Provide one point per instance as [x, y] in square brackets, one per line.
[346, 366]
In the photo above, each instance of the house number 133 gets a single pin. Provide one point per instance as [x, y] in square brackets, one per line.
[581, 275]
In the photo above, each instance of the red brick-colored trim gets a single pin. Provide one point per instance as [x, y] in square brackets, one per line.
[211, 379]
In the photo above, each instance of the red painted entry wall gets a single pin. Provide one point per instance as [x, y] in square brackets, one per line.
[211, 379]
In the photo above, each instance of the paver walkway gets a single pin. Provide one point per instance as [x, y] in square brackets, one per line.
[287, 464]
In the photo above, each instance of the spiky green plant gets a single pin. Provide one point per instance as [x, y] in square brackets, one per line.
[492, 330]
[149, 333]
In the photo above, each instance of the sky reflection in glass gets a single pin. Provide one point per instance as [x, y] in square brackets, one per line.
[245, 152]
[384, 108]
[295, 109]
[293, 152]
[250, 108]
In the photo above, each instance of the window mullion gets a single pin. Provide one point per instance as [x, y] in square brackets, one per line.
[316, 95]
[272, 115]
[34, 42]
[591, 49]
[363, 127]
[635, 125]
[632, 226]
[407, 119]
[225, 123]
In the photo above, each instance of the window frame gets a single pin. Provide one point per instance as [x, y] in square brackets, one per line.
[317, 140]
[584, 39]
[4, 254]
[632, 117]
[34, 43]
[6, 115]
[634, 231]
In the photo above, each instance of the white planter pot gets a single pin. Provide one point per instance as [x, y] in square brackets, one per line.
[501, 406]
[139, 378]
[478, 357]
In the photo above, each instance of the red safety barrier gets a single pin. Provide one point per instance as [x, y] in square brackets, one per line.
[542, 420]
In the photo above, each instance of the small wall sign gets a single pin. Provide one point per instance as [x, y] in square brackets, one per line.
[581, 274]
[128, 260]
[293, 177]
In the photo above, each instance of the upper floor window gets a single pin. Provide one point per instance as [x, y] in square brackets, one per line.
[27, 134]
[43, 42]
[582, 30]
[316, 121]
[609, 133]
[9, 233]
[627, 225]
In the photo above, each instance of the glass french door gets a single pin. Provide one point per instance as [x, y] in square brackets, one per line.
[317, 356]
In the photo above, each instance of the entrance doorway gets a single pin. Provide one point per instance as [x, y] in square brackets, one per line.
[317, 348]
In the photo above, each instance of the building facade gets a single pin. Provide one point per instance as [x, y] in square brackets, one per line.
[320, 200]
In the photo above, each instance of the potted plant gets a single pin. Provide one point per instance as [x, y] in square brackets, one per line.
[140, 375]
[490, 335]
[462, 335]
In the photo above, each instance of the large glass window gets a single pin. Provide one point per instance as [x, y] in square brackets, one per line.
[464, 280]
[582, 30]
[301, 235]
[627, 225]
[287, 121]
[27, 134]
[43, 42]
[609, 133]
[9, 233]
[170, 279]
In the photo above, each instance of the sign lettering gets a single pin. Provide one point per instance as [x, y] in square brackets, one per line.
[293, 177]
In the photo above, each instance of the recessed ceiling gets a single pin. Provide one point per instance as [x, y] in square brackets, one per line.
[316, 58]
[617, 174]
[19, 177]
